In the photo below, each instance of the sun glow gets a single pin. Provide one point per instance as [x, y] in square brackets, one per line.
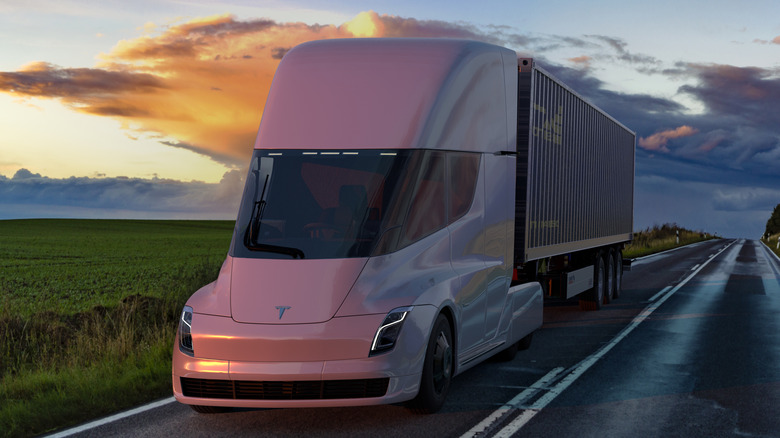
[364, 25]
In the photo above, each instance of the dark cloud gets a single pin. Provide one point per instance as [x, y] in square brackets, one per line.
[227, 160]
[620, 47]
[750, 93]
[154, 196]
[79, 84]
[279, 52]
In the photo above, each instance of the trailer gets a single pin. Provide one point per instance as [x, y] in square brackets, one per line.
[409, 203]
[574, 190]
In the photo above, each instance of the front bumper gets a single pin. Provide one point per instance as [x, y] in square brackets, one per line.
[300, 365]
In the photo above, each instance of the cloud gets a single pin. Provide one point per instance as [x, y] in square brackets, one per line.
[776, 40]
[658, 141]
[744, 199]
[152, 197]
[749, 93]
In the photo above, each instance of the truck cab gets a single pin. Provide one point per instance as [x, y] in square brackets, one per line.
[373, 251]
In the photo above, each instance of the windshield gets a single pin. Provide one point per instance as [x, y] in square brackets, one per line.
[309, 204]
[353, 203]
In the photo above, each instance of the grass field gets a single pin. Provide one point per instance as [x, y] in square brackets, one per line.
[88, 311]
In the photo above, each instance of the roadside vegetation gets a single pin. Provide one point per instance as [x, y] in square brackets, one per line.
[661, 238]
[772, 232]
[88, 313]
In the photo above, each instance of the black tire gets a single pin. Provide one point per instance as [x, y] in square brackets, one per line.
[209, 409]
[609, 276]
[437, 370]
[595, 297]
[618, 274]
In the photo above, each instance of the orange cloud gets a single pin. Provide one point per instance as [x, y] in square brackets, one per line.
[200, 85]
[659, 140]
[583, 61]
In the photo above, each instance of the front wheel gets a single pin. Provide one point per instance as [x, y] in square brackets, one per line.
[437, 370]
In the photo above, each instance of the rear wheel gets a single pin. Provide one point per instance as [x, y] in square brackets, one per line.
[618, 274]
[609, 276]
[595, 297]
[437, 370]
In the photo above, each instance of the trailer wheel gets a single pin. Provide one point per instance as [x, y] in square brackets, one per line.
[609, 276]
[618, 274]
[595, 297]
[437, 370]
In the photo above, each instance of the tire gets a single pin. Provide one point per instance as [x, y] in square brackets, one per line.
[618, 274]
[437, 370]
[595, 297]
[209, 409]
[609, 277]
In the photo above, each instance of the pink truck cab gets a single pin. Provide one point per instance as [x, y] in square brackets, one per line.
[373, 253]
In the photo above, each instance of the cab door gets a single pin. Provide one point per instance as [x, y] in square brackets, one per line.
[466, 224]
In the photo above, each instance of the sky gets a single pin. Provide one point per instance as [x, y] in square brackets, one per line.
[149, 109]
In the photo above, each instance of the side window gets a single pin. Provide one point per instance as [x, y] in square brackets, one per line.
[462, 172]
[427, 212]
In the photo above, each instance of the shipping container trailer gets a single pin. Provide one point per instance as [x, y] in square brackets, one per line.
[574, 187]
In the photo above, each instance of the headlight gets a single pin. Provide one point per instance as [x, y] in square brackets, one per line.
[185, 332]
[387, 334]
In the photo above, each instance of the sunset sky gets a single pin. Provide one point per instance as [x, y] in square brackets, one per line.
[149, 109]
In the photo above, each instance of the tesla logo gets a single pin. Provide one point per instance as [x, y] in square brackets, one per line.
[281, 310]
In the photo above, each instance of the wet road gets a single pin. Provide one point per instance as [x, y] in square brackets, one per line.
[692, 348]
[705, 363]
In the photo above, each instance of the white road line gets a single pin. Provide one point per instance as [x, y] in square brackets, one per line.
[694, 268]
[663, 291]
[527, 414]
[499, 413]
[111, 419]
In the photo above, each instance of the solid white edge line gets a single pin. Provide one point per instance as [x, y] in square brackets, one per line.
[111, 419]
[661, 292]
[511, 404]
[588, 362]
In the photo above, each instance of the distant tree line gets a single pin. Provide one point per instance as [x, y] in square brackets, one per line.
[773, 224]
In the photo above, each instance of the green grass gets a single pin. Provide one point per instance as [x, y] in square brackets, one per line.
[88, 313]
[662, 238]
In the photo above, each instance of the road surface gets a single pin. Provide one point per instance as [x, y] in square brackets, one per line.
[691, 348]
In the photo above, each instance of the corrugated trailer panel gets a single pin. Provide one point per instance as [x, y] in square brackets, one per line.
[576, 184]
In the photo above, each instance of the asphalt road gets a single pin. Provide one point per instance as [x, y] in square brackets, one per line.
[691, 348]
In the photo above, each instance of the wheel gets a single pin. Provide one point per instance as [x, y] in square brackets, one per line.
[209, 409]
[595, 297]
[618, 274]
[437, 370]
[609, 276]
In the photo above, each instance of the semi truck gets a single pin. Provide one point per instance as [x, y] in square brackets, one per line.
[409, 204]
